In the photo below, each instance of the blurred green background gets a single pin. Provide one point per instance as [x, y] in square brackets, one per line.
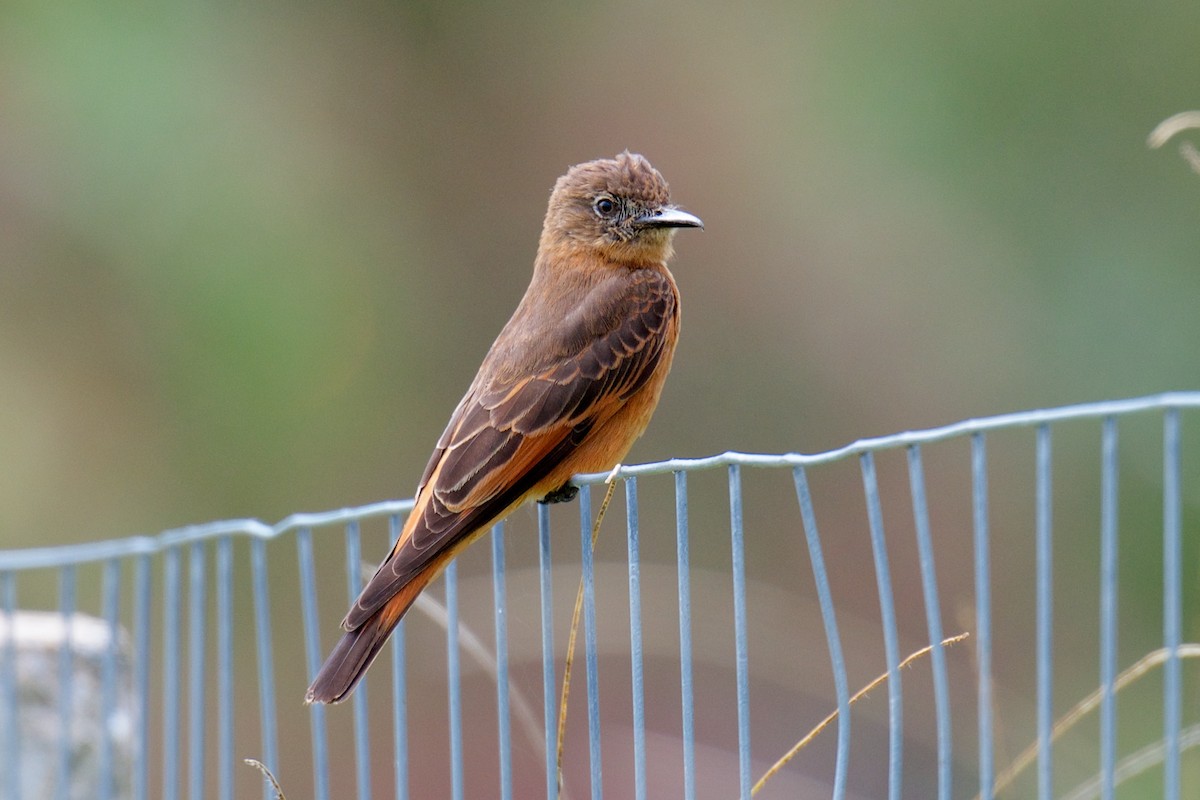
[251, 254]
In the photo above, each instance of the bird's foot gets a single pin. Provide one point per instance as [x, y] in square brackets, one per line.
[563, 494]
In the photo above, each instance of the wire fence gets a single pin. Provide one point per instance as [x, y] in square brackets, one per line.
[723, 627]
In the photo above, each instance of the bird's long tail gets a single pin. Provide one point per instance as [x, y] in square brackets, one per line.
[358, 648]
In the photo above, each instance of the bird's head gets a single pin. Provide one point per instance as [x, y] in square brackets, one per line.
[619, 208]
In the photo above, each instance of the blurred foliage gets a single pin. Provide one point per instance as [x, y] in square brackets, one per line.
[251, 254]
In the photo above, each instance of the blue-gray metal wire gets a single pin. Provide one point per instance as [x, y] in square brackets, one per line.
[108, 679]
[933, 620]
[8, 686]
[503, 723]
[983, 611]
[891, 633]
[1108, 609]
[225, 666]
[185, 664]
[362, 738]
[266, 662]
[197, 585]
[312, 659]
[688, 732]
[1172, 602]
[635, 641]
[67, 609]
[590, 644]
[741, 654]
[454, 683]
[1045, 618]
[141, 679]
[549, 695]
[172, 594]
[399, 691]
[832, 637]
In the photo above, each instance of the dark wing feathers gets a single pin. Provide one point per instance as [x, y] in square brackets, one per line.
[506, 436]
[546, 403]
[489, 449]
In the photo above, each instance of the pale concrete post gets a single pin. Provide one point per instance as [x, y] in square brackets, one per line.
[37, 640]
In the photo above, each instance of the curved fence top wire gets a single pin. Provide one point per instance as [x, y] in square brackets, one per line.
[43, 557]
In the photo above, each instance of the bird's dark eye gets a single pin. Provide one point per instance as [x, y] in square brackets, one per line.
[605, 206]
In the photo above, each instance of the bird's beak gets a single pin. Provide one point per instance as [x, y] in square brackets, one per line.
[668, 217]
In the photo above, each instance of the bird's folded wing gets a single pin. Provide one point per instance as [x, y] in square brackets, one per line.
[504, 438]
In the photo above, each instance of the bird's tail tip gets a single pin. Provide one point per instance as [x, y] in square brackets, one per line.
[350, 658]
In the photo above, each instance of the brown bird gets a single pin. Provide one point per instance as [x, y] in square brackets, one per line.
[568, 385]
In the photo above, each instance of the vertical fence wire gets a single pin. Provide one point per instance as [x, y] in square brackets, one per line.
[548, 680]
[111, 609]
[66, 665]
[1108, 609]
[225, 687]
[1044, 568]
[500, 603]
[265, 660]
[688, 732]
[891, 635]
[1172, 603]
[983, 612]
[833, 639]
[933, 620]
[312, 660]
[10, 735]
[171, 604]
[454, 683]
[590, 645]
[635, 641]
[741, 650]
[399, 690]
[362, 733]
[141, 678]
[197, 581]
